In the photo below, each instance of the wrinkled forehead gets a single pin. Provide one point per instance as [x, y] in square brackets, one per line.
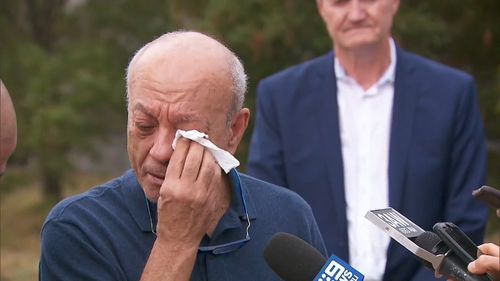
[189, 51]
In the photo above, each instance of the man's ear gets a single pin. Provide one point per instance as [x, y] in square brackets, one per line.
[395, 7]
[238, 127]
[319, 6]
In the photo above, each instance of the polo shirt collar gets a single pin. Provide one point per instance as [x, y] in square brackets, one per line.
[135, 199]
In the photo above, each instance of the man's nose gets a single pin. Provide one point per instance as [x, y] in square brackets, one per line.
[162, 150]
[356, 10]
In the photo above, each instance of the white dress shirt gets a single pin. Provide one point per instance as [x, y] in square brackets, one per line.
[365, 125]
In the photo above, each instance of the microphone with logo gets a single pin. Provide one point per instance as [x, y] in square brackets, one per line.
[293, 259]
[447, 250]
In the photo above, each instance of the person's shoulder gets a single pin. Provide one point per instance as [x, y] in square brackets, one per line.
[262, 191]
[302, 70]
[87, 201]
[432, 68]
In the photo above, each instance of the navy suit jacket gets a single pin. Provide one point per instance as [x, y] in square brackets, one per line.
[437, 150]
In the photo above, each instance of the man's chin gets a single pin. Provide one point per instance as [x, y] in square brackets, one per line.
[152, 193]
[151, 186]
[360, 39]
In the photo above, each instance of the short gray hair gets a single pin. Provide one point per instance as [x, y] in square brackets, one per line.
[237, 71]
[239, 78]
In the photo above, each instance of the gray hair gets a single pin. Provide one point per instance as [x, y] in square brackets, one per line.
[239, 78]
[237, 71]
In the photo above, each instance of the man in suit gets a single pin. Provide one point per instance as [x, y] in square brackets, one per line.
[368, 126]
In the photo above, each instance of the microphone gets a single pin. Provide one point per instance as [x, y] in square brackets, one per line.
[293, 259]
[447, 250]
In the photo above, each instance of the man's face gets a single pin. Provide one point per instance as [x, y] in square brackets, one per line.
[165, 97]
[356, 24]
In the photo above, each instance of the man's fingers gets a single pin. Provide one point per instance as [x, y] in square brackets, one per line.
[208, 168]
[176, 163]
[193, 161]
[489, 261]
[484, 264]
[490, 249]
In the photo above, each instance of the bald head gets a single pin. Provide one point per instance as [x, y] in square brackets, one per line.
[206, 57]
[8, 127]
[182, 44]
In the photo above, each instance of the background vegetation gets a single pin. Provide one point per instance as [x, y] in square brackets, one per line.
[64, 60]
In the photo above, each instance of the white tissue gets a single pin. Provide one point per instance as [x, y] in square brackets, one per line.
[225, 159]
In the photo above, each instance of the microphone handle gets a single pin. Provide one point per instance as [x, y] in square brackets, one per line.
[454, 268]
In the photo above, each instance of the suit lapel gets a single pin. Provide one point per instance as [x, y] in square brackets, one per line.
[403, 111]
[405, 95]
[325, 88]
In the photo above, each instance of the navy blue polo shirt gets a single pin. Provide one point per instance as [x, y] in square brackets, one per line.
[105, 233]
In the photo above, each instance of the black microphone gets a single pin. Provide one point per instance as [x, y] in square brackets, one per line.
[292, 258]
[447, 251]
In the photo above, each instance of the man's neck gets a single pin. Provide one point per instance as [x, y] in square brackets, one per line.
[365, 65]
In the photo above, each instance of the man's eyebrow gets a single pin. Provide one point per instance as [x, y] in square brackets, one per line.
[188, 117]
[140, 107]
[185, 118]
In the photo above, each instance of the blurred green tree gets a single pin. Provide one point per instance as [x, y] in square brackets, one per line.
[64, 63]
[64, 60]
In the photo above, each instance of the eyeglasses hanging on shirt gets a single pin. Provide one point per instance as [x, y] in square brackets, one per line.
[226, 247]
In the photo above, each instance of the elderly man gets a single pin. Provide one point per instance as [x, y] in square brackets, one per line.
[176, 215]
[8, 127]
[370, 126]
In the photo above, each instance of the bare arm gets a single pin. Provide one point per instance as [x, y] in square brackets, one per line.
[169, 262]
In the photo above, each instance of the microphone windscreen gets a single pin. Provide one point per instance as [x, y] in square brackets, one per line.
[431, 242]
[292, 258]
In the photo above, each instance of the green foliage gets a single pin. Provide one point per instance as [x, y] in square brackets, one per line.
[66, 93]
[64, 61]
